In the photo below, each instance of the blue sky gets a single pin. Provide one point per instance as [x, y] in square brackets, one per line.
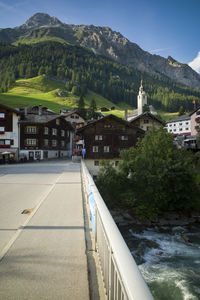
[163, 27]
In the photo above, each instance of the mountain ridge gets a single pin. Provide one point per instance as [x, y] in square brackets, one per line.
[103, 40]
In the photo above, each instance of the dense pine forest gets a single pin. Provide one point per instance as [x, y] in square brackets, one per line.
[83, 69]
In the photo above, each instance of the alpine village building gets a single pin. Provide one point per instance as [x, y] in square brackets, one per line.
[9, 138]
[147, 120]
[44, 134]
[105, 139]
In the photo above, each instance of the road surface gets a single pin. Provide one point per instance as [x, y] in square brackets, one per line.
[42, 253]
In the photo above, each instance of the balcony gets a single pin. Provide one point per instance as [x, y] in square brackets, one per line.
[197, 128]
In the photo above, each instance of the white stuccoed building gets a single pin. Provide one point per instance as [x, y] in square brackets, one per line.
[180, 125]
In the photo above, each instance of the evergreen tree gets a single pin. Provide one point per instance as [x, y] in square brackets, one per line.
[181, 111]
[92, 110]
[81, 106]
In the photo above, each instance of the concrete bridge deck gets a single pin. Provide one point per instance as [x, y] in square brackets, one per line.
[43, 253]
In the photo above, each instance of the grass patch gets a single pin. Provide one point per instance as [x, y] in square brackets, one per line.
[44, 91]
[167, 115]
[40, 40]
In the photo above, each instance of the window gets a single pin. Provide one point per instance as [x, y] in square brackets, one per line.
[95, 149]
[72, 116]
[54, 131]
[180, 129]
[186, 128]
[46, 130]
[62, 143]
[2, 142]
[46, 142]
[146, 121]
[124, 138]
[7, 142]
[57, 121]
[31, 142]
[2, 129]
[106, 149]
[174, 124]
[180, 124]
[54, 143]
[147, 127]
[76, 117]
[2, 116]
[107, 126]
[98, 138]
[186, 123]
[116, 163]
[31, 129]
[170, 125]
[62, 132]
[170, 130]
[174, 129]
[96, 163]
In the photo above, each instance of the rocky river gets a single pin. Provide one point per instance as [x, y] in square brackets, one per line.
[168, 256]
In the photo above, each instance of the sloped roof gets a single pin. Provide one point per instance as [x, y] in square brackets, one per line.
[194, 111]
[112, 117]
[11, 109]
[180, 118]
[147, 113]
[32, 118]
[43, 119]
[73, 112]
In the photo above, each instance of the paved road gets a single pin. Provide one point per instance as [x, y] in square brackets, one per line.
[47, 257]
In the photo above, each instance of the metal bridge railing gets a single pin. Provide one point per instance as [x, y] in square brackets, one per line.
[121, 276]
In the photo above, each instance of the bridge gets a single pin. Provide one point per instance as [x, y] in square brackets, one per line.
[58, 239]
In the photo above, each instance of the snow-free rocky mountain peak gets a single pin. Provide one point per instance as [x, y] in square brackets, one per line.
[103, 40]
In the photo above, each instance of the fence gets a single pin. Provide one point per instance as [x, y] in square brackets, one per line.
[121, 276]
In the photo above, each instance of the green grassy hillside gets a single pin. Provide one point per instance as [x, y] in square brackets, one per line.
[52, 94]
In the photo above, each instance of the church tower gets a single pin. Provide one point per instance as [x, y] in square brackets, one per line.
[141, 99]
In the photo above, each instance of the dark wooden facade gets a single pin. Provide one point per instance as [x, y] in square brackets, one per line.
[111, 135]
[6, 121]
[43, 132]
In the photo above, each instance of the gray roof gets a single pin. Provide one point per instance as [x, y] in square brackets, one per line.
[31, 118]
[181, 118]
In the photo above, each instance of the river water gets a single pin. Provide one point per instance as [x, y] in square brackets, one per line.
[169, 265]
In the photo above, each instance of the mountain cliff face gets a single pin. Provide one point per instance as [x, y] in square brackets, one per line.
[105, 41]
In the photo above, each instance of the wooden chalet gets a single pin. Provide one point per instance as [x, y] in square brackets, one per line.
[75, 118]
[106, 138]
[147, 120]
[44, 134]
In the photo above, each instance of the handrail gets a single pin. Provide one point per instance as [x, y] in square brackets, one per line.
[122, 278]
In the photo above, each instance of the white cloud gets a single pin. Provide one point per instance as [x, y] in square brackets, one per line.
[195, 64]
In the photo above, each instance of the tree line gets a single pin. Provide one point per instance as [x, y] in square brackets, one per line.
[82, 69]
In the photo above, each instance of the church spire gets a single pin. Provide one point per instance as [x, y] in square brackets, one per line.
[141, 86]
[142, 98]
